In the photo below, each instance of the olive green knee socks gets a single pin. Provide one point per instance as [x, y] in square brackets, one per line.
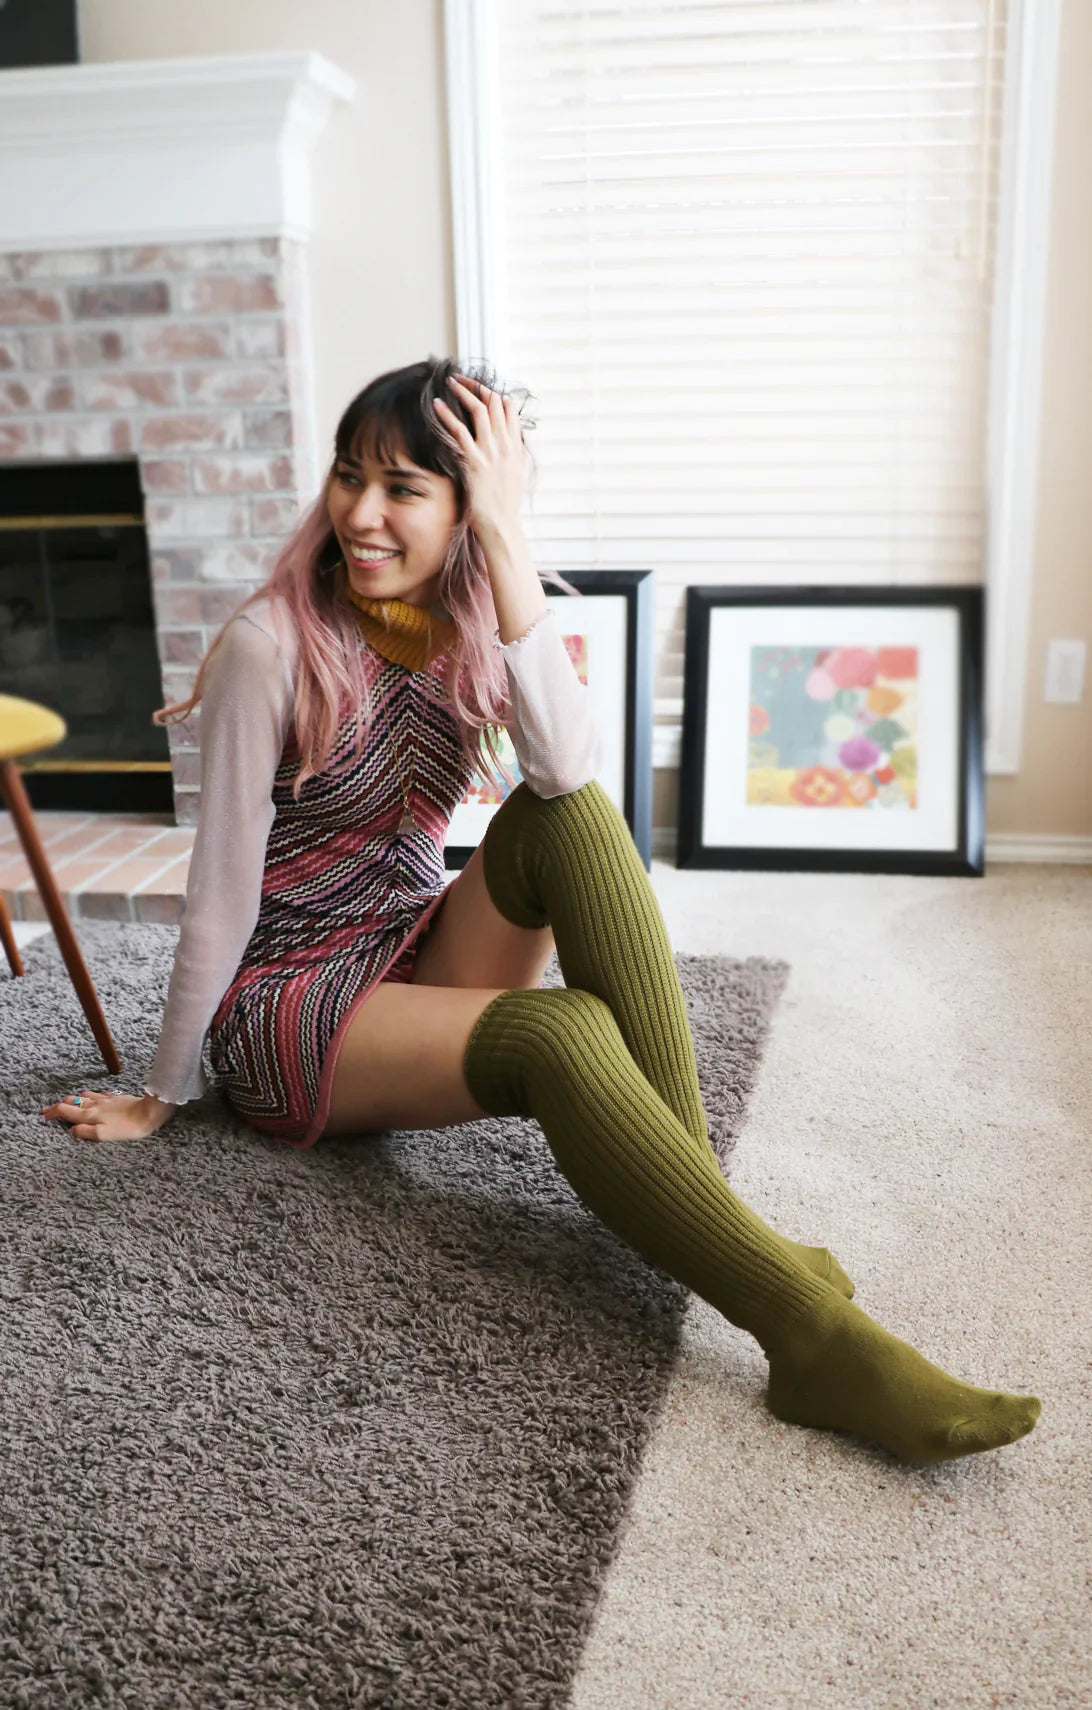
[606, 1066]
[571, 863]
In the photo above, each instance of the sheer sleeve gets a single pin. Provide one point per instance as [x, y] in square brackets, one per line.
[554, 729]
[246, 708]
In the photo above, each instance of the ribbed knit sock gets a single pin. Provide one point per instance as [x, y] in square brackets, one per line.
[562, 1057]
[559, 1057]
[571, 862]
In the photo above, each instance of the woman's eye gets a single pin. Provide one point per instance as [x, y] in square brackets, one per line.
[348, 476]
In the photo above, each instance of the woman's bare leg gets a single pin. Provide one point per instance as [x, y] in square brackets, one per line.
[400, 1062]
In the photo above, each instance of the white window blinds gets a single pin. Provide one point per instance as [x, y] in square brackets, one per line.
[743, 257]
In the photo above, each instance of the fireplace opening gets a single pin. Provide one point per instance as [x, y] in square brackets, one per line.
[77, 632]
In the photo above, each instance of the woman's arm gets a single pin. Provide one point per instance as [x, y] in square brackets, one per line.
[554, 729]
[246, 707]
[553, 725]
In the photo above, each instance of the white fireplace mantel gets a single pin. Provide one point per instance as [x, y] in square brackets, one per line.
[162, 150]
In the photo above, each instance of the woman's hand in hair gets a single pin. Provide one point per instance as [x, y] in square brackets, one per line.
[493, 456]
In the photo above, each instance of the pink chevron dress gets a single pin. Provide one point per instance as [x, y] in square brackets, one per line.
[345, 901]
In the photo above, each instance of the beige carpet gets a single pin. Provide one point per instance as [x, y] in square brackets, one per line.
[925, 1109]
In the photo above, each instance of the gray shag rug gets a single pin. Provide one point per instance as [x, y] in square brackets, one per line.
[354, 1426]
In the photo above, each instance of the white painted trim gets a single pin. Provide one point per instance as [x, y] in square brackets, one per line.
[470, 57]
[1012, 846]
[1016, 366]
[162, 150]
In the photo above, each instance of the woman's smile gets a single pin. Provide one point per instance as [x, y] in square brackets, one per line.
[369, 557]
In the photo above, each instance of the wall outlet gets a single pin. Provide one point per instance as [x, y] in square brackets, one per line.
[1064, 678]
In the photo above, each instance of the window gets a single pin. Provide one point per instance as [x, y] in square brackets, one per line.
[743, 252]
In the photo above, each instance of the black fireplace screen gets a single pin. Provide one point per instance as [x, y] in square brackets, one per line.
[77, 633]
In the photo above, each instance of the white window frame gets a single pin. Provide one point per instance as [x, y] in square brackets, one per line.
[1017, 328]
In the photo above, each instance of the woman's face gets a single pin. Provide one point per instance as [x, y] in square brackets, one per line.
[406, 511]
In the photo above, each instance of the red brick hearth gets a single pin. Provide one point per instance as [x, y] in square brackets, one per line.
[107, 866]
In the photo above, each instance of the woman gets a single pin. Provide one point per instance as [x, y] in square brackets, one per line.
[345, 989]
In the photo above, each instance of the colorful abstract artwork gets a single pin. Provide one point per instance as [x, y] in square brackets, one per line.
[497, 790]
[833, 727]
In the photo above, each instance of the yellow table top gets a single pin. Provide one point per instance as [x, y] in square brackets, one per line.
[27, 728]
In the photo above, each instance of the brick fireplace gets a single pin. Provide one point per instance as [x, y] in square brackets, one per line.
[190, 358]
[160, 314]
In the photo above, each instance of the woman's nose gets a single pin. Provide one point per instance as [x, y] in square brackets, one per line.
[368, 511]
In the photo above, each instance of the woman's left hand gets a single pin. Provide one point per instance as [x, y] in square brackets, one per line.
[493, 456]
[110, 1116]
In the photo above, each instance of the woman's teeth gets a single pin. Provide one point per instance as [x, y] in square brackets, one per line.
[371, 557]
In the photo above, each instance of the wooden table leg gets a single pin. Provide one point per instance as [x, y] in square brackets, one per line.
[18, 803]
[11, 949]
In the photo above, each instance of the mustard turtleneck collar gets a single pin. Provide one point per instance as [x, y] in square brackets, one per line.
[410, 635]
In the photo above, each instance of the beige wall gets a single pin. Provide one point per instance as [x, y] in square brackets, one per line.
[381, 189]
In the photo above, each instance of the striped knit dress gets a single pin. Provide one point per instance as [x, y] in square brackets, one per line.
[345, 899]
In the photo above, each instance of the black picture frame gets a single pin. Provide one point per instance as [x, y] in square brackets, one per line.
[955, 677]
[625, 710]
[39, 32]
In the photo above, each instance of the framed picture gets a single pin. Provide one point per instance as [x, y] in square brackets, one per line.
[608, 632]
[38, 32]
[833, 729]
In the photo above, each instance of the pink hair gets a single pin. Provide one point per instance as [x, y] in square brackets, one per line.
[335, 673]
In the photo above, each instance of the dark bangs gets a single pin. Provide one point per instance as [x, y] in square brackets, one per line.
[396, 412]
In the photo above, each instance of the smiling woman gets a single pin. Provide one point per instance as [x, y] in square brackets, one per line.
[309, 895]
[336, 671]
